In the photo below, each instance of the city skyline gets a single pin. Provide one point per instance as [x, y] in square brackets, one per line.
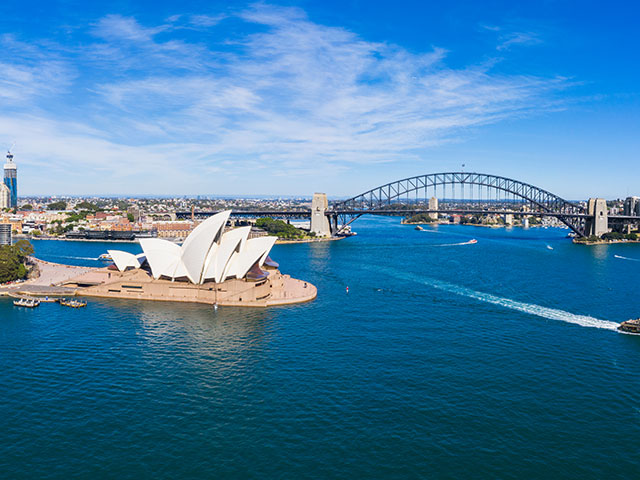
[267, 98]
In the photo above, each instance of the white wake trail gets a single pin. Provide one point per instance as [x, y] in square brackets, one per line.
[531, 309]
[626, 258]
[77, 258]
[470, 242]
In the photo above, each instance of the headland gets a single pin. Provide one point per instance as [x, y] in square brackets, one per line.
[67, 280]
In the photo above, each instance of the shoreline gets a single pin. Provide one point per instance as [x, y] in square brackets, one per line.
[57, 279]
[605, 242]
[309, 240]
[477, 225]
[278, 242]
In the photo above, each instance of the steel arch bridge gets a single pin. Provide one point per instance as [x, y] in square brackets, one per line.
[386, 199]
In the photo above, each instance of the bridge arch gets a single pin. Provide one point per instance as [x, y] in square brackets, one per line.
[541, 201]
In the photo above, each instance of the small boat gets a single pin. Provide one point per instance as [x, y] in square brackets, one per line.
[72, 303]
[473, 240]
[48, 300]
[418, 227]
[26, 302]
[630, 326]
[105, 257]
[549, 247]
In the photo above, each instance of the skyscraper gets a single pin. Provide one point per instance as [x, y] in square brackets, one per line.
[5, 196]
[11, 179]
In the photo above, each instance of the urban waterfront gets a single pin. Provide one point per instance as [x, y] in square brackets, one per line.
[444, 360]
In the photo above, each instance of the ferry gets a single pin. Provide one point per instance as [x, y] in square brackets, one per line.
[630, 326]
[105, 257]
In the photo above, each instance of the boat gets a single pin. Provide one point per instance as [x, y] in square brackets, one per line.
[473, 240]
[72, 303]
[549, 247]
[105, 257]
[26, 302]
[418, 227]
[47, 300]
[630, 326]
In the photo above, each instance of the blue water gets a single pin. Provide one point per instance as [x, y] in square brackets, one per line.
[490, 360]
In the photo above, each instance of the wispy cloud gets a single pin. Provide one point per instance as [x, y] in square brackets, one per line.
[291, 95]
[518, 38]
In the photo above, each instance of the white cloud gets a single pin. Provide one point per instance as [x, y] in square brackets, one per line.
[293, 98]
[518, 38]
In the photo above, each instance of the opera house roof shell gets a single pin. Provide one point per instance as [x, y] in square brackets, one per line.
[207, 254]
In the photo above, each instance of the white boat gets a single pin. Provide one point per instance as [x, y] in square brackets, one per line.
[105, 257]
[26, 302]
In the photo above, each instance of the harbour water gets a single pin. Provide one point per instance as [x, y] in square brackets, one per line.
[445, 359]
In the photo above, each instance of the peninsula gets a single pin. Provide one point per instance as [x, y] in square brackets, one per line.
[212, 266]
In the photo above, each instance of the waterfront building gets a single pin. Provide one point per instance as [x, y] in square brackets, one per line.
[632, 206]
[11, 180]
[5, 196]
[433, 205]
[5, 234]
[508, 219]
[173, 229]
[207, 254]
[213, 266]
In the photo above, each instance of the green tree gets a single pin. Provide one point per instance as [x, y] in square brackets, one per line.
[60, 205]
[279, 228]
[87, 206]
[12, 258]
[420, 218]
[23, 249]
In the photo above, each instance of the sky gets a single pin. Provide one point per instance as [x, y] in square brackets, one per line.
[290, 98]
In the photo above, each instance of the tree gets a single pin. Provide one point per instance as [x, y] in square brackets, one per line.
[87, 206]
[60, 205]
[280, 228]
[420, 218]
[27, 206]
[130, 217]
[12, 258]
[23, 249]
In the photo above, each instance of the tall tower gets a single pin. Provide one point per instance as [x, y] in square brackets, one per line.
[11, 179]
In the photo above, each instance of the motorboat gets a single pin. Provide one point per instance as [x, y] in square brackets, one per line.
[26, 302]
[73, 303]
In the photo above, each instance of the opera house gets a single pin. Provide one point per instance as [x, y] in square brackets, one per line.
[213, 265]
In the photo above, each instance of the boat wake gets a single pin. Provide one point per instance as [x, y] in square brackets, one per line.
[626, 258]
[470, 242]
[531, 309]
[76, 258]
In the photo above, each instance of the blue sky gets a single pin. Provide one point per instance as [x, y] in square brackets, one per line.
[219, 98]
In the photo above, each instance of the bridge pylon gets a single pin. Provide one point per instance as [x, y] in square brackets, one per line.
[319, 221]
[598, 221]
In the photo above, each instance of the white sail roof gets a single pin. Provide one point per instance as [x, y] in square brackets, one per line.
[199, 244]
[123, 260]
[254, 251]
[231, 242]
[162, 256]
[207, 254]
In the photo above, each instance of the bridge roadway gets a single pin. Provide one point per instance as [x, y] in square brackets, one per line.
[395, 212]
